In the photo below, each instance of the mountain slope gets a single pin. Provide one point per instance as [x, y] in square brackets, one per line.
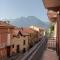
[29, 21]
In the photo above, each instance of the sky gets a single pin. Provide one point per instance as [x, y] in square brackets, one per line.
[11, 9]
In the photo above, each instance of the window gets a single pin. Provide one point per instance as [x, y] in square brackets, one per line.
[8, 39]
[12, 46]
[23, 42]
[18, 49]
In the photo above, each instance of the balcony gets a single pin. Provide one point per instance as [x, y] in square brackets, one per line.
[39, 52]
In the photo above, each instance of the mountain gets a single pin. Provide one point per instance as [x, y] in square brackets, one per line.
[28, 21]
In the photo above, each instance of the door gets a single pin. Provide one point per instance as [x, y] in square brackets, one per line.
[8, 51]
[24, 50]
[17, 50]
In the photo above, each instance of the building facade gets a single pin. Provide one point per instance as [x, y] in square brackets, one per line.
[5, 35]
[20, 43]
[23, 39]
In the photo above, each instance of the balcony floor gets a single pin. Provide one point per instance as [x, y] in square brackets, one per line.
[49, 54]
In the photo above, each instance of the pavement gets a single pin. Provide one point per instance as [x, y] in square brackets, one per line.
[49, 54]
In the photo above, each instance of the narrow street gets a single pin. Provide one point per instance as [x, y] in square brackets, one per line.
[15, 57]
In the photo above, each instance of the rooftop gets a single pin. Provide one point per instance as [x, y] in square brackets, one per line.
[5, 24]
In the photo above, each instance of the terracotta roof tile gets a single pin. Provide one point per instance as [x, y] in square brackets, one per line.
[24, 31]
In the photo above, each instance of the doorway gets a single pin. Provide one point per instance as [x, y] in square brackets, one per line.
[17, 50]
[24, 50]
[8, 51]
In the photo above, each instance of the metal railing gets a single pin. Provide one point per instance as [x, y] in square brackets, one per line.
[52, 43]
[35, 52]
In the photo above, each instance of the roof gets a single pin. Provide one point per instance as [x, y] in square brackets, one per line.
[5, 24]
[26, 30]
[23, 31]
[37, 28]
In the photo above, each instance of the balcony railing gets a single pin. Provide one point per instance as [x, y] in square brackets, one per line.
[52, 43]
[35, 52]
